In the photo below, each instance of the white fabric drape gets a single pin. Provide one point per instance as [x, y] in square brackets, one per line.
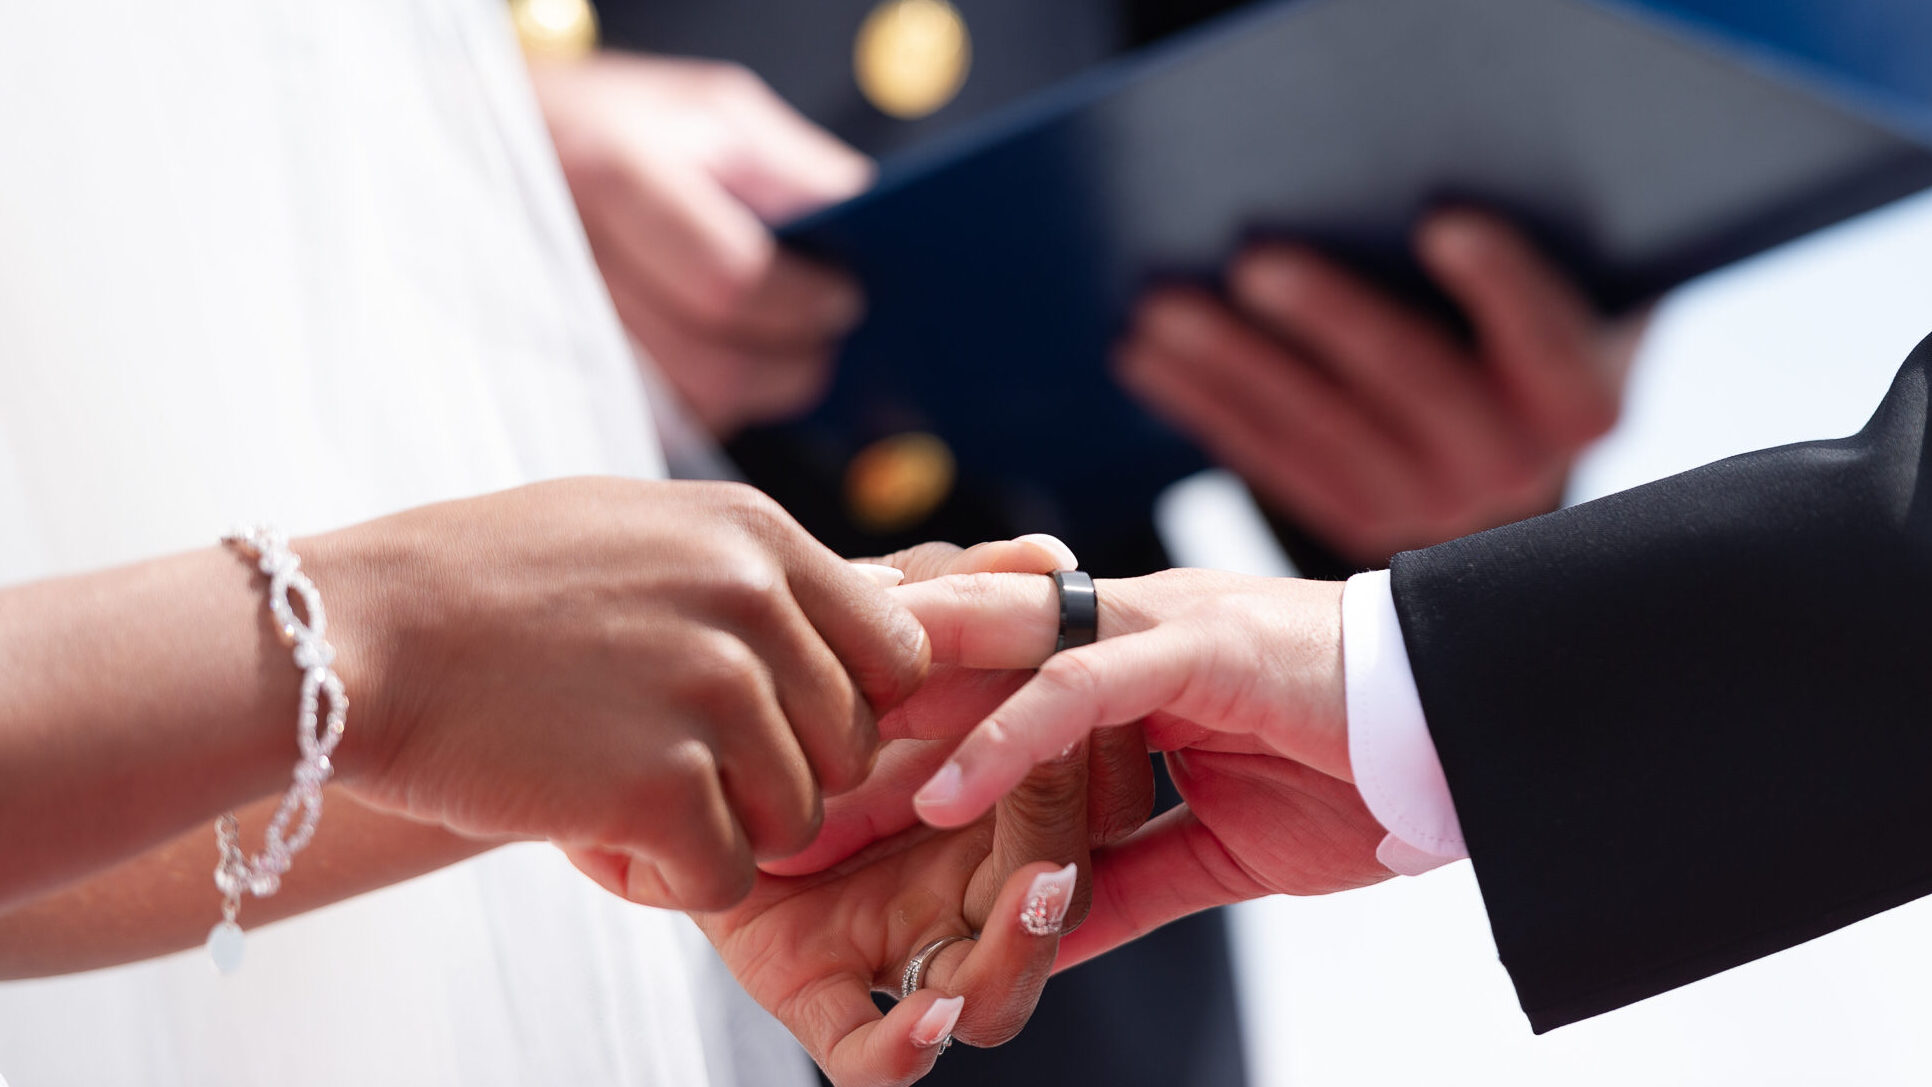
[314, 262]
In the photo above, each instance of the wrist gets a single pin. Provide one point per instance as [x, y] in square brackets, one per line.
[365, 585]
[1324, 694]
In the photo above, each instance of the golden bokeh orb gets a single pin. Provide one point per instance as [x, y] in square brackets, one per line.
[911, 56]
[897, 482]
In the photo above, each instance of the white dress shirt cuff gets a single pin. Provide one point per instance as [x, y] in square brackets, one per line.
[1390, 751]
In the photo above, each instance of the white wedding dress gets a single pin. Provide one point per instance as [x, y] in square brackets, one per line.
[312, 262]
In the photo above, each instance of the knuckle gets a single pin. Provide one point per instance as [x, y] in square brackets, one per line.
[593, 170]
[717, 295]
[758, 512]
[979, 590]
[661, 797]
[1072, 674]
[1047, 812]
[895, 661]
[846, 765]
[682, 777]
[724, 287]
[722, 675]
[811, 1011]
[744, 588]
[998, 1027]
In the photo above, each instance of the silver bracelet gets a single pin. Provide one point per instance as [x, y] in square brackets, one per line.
[261, 875]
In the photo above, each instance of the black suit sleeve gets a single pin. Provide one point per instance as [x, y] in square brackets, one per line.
[1690, 725]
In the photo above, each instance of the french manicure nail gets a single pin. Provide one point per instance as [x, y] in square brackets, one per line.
[934, 1027]
[1047, 901]
[886, 576]
[944, 786]
[1052, 545]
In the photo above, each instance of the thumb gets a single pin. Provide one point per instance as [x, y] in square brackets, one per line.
[1043, 819]
[785, 165]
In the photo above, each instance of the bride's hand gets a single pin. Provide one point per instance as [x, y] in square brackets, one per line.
[812, 949]
[663, 676]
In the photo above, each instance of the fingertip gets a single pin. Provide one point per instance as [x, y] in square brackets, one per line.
[1463, 240]
[949, 800]
[882, 1051]
[1055, 548]
[1048, 898]
[934, 1027]
[1275, 276]
[940, 792]
[1019, 556]
[911, 658]
[900, 1048]
[886, 576]
[1179, 320]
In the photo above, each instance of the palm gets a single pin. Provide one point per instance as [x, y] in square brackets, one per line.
[854, 926]
[812, 946]
[1290, 829]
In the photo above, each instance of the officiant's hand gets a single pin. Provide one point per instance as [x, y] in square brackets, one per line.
[666, 676]
[1368, 423]
[1238, 679]
[677, 167]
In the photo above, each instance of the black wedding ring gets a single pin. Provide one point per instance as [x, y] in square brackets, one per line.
[1079, 610]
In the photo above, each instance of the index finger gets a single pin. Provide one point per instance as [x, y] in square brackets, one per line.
[798, 301]
[987, 620]
[1539, 330]
[882, 645]
[1107, 683]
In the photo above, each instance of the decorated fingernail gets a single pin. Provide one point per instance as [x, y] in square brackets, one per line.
[936, 1026]
[944, 786]
[1063, 555]
[1047, 901]
[887, 576]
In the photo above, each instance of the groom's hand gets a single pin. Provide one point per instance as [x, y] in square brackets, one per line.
[1239, 679]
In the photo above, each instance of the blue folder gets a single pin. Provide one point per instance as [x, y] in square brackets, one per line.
[1640, 142]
